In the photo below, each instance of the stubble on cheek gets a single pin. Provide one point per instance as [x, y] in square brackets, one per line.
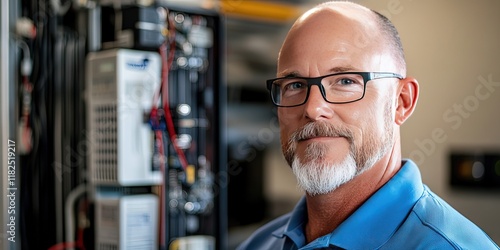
[288, 148]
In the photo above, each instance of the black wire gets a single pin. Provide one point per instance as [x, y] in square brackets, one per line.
[36, 194]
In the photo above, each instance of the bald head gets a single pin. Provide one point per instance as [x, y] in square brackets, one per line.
[344, 27]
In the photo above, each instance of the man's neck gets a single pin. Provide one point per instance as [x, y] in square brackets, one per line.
[327, 211]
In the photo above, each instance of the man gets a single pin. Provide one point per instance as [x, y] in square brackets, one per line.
[342, 94]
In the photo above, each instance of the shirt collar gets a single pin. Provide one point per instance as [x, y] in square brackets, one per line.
[294, 228]
[372, 224]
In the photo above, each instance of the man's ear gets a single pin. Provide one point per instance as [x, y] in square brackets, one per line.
[407, 99]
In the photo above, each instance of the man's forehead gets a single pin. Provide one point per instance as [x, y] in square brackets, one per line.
[347, 22]
[333, 10]
[323, 32]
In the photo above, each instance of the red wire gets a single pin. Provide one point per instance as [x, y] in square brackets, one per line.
[164, 90]
[159, 141]
[63, 245]
[79, 243]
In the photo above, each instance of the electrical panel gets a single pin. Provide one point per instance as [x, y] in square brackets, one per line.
[119, 109]
[195, 199]
[155, 98]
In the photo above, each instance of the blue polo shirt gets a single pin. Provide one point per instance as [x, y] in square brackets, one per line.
[402, 214]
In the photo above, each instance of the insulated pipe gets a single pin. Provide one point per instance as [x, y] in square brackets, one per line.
[68, 211]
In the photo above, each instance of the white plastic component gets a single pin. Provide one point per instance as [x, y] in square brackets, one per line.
[120, 88]
[126, 222]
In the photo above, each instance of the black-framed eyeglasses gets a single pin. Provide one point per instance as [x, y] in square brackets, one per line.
[344, 87]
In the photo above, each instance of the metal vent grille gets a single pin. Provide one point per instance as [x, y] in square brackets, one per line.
[107, 246]
[106, 143]
[110, 214]
[108, 225]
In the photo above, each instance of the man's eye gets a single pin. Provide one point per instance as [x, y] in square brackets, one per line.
[347, 81]
[294, 86]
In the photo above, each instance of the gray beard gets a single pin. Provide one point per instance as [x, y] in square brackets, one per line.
[315, 175]
[319, 177]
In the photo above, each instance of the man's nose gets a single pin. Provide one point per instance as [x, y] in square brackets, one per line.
[316, 107]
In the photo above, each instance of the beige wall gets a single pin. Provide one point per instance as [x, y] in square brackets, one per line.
[452, 48]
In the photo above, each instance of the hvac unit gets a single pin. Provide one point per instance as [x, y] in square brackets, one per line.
[120, 88]
[126, 222]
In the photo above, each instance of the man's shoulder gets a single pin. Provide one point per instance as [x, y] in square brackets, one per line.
[268, 235]
[437, 214]
[434, 221]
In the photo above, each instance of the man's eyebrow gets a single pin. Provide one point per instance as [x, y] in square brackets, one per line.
[290, 74]
[342, 69]
[331, 71]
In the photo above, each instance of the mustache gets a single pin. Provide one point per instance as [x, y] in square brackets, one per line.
[312, 130]
[320, 129]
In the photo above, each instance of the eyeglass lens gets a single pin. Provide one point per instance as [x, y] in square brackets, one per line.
[337, 88]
